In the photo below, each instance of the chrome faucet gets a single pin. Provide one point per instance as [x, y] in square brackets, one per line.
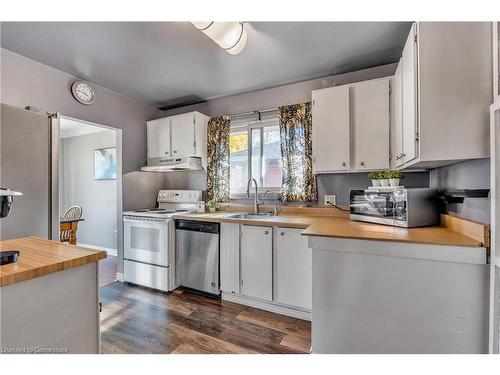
[276, 211]
[256, 202]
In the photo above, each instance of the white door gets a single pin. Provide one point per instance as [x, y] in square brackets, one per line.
[494, 303]
[257, 262]
[330, 129]
[230, 258]
[397, 92]
[293, 278]
[409, 97]
[146, 240]
[371, 121]
[159, 138]
[183, 135]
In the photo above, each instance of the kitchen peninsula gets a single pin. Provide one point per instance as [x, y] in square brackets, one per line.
[371, 288]
[49, 298]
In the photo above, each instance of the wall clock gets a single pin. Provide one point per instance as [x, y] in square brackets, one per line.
[83, 92]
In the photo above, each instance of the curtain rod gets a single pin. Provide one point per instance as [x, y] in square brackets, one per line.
[253, 112]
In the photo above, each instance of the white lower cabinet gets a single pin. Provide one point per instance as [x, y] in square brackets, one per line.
[256, 262]
[293, 276]
[230, 258]
[269, 268]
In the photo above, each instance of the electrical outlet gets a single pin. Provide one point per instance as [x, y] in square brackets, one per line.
[331, 198]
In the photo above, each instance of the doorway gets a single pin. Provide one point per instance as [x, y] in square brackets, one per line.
[90, 189]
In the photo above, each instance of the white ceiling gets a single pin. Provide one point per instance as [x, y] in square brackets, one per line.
[173, 64]
[73, 128]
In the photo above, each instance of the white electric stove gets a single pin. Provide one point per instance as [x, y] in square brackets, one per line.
[149, 244]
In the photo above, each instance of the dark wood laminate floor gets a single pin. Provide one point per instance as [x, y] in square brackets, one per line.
[139, 320]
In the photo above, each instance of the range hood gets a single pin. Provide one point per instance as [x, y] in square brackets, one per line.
[188, 163]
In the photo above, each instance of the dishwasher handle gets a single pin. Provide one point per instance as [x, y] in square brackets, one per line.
[197, 226]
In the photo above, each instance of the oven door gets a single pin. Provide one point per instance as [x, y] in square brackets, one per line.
[146, 240]
[372, 203]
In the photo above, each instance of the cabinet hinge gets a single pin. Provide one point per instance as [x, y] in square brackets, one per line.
[416, 39]
[313, 103]
[416, 137]
[194, 144]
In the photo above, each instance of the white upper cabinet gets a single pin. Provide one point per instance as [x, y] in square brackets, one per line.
[159, 138]
[496, 60]
[293, 278]
[443, 87]
[397, 133]
[370, 108]
[178, 136]
[331, 130]
[183, 135]
[256, 260]
[351, 127]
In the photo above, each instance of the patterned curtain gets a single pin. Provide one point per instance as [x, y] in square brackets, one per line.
[218, 159]
[298, 184]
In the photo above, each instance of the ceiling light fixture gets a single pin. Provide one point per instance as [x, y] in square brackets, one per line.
[230, 36]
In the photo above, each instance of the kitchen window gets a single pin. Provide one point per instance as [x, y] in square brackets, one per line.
[255, 150]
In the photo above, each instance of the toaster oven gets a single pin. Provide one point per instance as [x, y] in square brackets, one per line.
[398, 207]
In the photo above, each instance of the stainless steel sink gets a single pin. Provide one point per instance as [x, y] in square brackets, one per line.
[250, 216]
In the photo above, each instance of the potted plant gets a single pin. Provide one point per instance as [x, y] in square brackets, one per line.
[375, 177]
[394, 177]
[384, 178]
[212, 205]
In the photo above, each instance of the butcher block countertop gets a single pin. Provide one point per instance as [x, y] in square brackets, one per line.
[329, 222]
[39, 257]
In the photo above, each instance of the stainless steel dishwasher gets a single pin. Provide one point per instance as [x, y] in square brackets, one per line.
[198, 250]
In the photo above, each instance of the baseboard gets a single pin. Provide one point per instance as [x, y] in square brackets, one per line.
[108, 250]
[119, 276]
[267, 305]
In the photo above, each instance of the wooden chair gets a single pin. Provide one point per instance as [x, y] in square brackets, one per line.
[74, 212]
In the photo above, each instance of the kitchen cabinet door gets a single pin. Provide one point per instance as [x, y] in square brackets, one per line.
[331, 129]
[159, 138]
[397, 93]
[256, 260]
[230, 258]
[183, 135]
[409, 97]
[371, 121]
[293, 277]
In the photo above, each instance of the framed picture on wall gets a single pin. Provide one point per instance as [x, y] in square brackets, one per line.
[105, 163]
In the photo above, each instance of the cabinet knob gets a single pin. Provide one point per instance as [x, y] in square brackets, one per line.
[362, 163]
[344, 164]
[175, 151]
[282, 233]
[266, 232]
[166, 152]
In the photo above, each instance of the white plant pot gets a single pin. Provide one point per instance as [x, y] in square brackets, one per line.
[384, 182]
[375, 182]
[211, 209]
[394, 181]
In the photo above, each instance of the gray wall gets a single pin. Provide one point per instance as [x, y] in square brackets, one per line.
[97, 197]
[28, 82]
[283, 95]
[339, 184]
[472, 174]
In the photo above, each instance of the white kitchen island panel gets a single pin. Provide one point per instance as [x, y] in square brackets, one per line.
[372, 297]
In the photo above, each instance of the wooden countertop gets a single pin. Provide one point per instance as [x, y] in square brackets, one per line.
[341, 227]
[39, 257]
